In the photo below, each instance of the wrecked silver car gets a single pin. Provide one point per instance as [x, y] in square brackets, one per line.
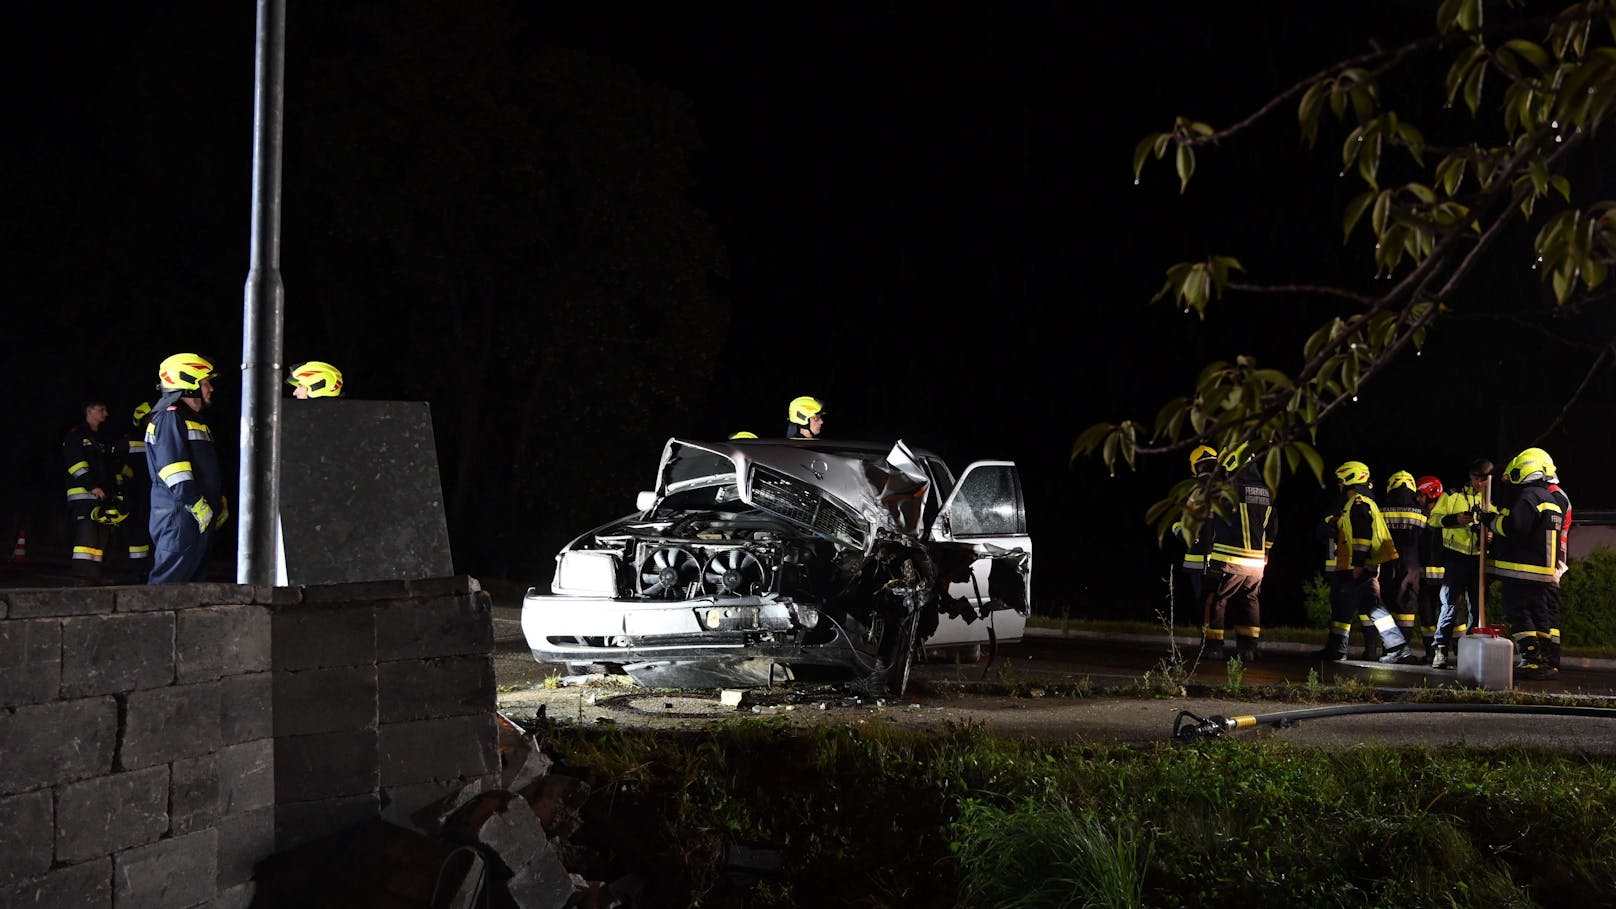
[753, 562]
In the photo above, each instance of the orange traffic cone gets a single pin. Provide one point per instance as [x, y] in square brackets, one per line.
[19, 553]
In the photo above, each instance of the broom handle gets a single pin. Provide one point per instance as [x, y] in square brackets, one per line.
[1481, 557]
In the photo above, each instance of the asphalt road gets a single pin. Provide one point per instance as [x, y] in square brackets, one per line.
[945, 693]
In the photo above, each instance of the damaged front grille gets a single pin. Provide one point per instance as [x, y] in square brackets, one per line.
[803, 504]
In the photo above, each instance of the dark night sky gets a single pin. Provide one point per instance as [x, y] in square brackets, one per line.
[927, 220]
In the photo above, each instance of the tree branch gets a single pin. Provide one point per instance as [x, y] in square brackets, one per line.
[1610, 347]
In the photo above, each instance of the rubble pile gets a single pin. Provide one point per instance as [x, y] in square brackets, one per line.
[477, 847]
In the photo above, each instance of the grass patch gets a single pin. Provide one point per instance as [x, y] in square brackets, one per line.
[875, 816]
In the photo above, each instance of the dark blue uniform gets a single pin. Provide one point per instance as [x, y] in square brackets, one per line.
[187, 491]
[89, 456]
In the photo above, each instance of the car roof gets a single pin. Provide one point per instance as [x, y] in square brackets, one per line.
[832, 446]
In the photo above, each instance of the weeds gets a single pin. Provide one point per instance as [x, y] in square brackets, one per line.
[1235, 669]
[880, 816]
[1042, 852]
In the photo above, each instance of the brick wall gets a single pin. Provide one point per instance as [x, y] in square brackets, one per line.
[157, 742]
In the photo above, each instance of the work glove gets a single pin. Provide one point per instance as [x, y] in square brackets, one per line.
[203, 514]
[224, 513]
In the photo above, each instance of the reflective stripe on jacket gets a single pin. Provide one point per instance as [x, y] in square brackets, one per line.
[1526, 537]
[1240, 539]
[1362, 538]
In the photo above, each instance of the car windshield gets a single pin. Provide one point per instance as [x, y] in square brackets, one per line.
[695, 468]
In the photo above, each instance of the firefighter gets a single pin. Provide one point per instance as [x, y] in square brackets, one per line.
[315, 379]
[1236, 558]
[1526, 560]
[91, 458]
[1203, 462]
[1457, 513]
[807, 416]
[134, 486]
[1363, 542]
[187, 487]
[1431, 570]
[1400, 577]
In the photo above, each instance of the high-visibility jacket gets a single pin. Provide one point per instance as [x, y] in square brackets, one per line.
[1458, 541]
[1362, 539]
[1526, 537]
[184, 465]
[1405, 518]
[1565, 525]
[1240, 539]
[90, 458]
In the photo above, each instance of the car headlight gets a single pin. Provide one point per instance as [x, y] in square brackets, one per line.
[585, 572]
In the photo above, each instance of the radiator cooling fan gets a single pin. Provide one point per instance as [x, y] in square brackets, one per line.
[733, 572]
[667, 572]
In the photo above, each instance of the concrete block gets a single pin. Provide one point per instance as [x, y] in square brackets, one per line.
[87, 885]
[53, 743]
[167, 724]
[423, 806]
[441, 626]
[26, 603]
[325, 766]
[297, 823]
[277, 596]
[216, 641]
[110, 813]
[193, 801]
[246, 708]
[318, 636]
[452, 585]
[355, 591]
[117, 653]
[241, 896]
[509, 829]
[26, 822]
[543, 882]
[183, 596]
[339, 699]
[441, 749]
[181, 871]
[30, 661]
[245, 839]
[425, 689]
[523, 766]
[247, 776]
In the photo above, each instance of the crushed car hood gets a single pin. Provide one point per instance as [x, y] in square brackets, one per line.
[841, 497]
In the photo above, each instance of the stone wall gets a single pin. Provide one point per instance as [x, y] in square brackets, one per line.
[157, 742]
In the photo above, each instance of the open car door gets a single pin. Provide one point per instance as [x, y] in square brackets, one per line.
[987, 509]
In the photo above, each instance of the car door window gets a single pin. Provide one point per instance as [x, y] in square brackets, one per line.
[988, 503]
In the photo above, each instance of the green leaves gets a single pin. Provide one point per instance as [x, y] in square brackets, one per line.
[1186, 134]
[1192, 285]
[1553, 82]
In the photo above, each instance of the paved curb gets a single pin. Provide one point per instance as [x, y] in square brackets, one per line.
[1569, 662]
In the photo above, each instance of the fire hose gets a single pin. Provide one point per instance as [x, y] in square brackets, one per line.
[1191, 727]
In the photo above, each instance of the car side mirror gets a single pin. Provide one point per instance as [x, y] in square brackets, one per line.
[645, 500]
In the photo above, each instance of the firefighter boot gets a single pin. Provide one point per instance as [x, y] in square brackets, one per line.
[1441, 658]
[1530, 664]
[1249, 650]
[1212, 652]
[1334, 649]
[1372, 648]
[1402, 655]
[1429, 644]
